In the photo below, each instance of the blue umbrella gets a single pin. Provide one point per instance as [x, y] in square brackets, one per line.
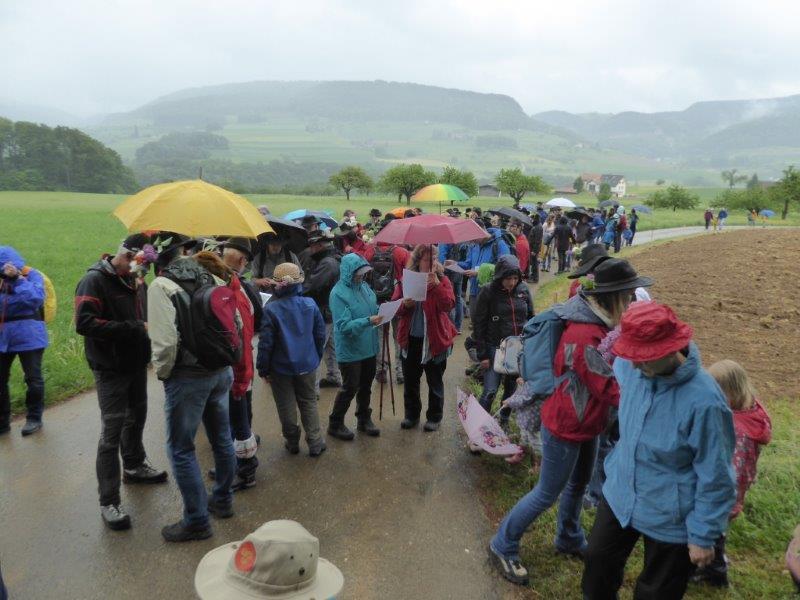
[767, 213]
[297, 215]
[643, 209]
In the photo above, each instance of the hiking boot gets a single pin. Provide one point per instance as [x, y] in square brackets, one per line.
[340, 432]
[292, 446]
[712, 577]
[399, 379]
[431, 426]
[409, 423]
[314, 450]
[115, 518]
[330, 382]
[144, 473]
[368, 427]
[241, 483]
[178, 532]
[220, 511]
[511, 569]
[31, 427]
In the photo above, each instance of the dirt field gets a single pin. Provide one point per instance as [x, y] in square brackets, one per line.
[740, 292]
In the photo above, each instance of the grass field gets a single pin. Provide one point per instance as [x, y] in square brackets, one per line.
[64, 233]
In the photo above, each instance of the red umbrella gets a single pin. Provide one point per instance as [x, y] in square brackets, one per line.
[430, 229]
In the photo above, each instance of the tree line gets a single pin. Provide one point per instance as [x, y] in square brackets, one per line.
[38, 157]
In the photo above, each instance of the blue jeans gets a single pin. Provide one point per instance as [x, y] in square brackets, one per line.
[457, 314]
[491, 383]
[566, 469]
[188, 401]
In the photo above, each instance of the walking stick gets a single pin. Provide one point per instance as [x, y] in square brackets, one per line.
[386, 361]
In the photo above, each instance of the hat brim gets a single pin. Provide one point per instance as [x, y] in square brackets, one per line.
[628, 285]
[248, 253]
[210, 581]
[644, 352]
[587, 267]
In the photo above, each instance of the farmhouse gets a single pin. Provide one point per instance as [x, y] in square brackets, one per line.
[592, 183]
[488, 190]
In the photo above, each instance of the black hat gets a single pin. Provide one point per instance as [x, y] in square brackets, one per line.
[316, 237]
[477, 210]
[375, 213]
[241, 244]
[591, 256]
[169, 240]
[454, 212]
[135, 242]
[308, 220]
[614, 275]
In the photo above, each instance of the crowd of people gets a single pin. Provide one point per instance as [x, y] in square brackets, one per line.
[681, 443]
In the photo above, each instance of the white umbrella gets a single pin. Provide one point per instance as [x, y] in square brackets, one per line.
[560, 202]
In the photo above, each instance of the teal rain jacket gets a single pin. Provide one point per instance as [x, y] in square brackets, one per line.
[351, 306]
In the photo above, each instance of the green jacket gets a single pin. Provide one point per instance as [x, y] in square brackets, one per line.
[351, 306]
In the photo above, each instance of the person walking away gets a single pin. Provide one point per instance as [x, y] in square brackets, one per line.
[271, 250]
[707, 216]
[549, 229]
[535, 236]
[670, 475]
[290, 348]
[583, 230]
[425, 334]
[753, 429]
[111, 315]
[632, 227]
[563, 241]
[502, 309]
[598, 225]
[355, 316]
[23, 334]
[609, 231]
[620, 225]
[572, 417]
[320, 277]
[722, 216]
[193, 391]
[523, 248]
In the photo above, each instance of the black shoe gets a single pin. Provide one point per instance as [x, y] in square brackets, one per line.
[712, 577]
[292, 447]
[317, 449]
[578, 553]
[431, 426]
[31, 427]
[409, 423]
[115, 518]
[340, 432]
[144, 473]
[330, 382]
[243, 483]
[221, 511]
[368, 427]
[178, 532]
[4, 429]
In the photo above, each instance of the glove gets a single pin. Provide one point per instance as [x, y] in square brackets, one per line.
[245, 448]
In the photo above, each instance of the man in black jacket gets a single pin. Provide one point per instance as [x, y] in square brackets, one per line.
[110, 313]
[535, 236]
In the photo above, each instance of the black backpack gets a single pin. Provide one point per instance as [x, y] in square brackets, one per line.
[510, 241]
[207, 321]
[382, 275]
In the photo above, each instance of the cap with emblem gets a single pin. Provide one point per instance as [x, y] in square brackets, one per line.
[280, 559]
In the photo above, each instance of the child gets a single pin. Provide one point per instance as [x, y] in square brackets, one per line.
[753, 430]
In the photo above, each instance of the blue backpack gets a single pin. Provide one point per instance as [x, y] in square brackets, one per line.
[540, 338]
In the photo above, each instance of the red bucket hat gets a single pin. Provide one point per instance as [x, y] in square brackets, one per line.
[650, 331]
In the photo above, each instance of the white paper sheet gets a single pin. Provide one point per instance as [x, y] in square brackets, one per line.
[415, 285]
[453, 267]
[388, 310]
[264, 298]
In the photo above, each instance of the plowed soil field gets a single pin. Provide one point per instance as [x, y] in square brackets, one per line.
[741, 293]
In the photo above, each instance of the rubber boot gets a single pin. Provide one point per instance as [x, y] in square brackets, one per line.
[365, 424]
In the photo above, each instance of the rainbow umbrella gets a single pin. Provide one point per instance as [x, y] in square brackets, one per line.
[440, 192]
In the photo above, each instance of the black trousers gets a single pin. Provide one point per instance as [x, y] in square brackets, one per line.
[31, 363]
[666, 566]
[434, 376]
[562, 259]
[356, 383]
[123, 412]
[534, 268]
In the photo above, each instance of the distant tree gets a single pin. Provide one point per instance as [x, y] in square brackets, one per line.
[577, 185]
[349, 178]
[604, 193]
[660, 182]
[731, 178]
[674, 197]
[753, 182]
[465, 180]
[516, 184]
[405, 180]
[755, 199]
[788, 189]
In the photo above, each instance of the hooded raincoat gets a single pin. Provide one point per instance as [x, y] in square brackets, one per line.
[487, 251]
[21, 300]
[351, 307]
[753, 429]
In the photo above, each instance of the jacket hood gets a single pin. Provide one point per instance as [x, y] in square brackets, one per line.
[754, 423]
[577, 310]
[686, 371]
[495, 234]
[9, 255]
[506, 266]
[350, 264]
[295, 289]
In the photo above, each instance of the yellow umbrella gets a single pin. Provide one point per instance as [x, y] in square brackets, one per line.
[194, 208]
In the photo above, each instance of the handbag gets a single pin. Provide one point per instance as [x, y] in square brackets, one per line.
[507, 356]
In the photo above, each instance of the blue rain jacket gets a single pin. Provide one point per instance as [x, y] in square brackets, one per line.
[670, 476]
[21, 300]
[483, 252]
[351, 306]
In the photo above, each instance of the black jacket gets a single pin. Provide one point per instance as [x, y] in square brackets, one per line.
[535, 238]
[498, 313]
[110, 312]
[321, 276]
[563, 236]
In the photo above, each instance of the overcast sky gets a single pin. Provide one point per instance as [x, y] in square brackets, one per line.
[97, 56]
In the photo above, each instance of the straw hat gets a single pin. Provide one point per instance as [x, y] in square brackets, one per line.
[278, 560]
[288, 273]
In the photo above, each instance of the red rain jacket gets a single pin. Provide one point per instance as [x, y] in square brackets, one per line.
[243, 370]
[437, 306]
[753, 430]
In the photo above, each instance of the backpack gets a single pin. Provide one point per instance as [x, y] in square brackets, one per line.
[508, 356]
[208, 321]
[540, 338]
[48, 310]
[382, 275]
[510, 241]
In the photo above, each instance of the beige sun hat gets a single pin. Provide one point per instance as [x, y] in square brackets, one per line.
[288, 273]
[278, 560]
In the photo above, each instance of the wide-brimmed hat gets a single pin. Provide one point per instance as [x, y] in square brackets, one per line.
[649, 331]
[169, 240]
[591, 256]
[615, 275]
[135, 242]
[288, 273]
[243, 245]
[278, 560]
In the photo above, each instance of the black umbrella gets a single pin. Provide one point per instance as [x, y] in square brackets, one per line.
[606, 203]
[511, 213]
[292, 233]
[577, 213]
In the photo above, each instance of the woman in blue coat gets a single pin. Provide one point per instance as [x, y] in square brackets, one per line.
[22, 334]
[354, 308]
